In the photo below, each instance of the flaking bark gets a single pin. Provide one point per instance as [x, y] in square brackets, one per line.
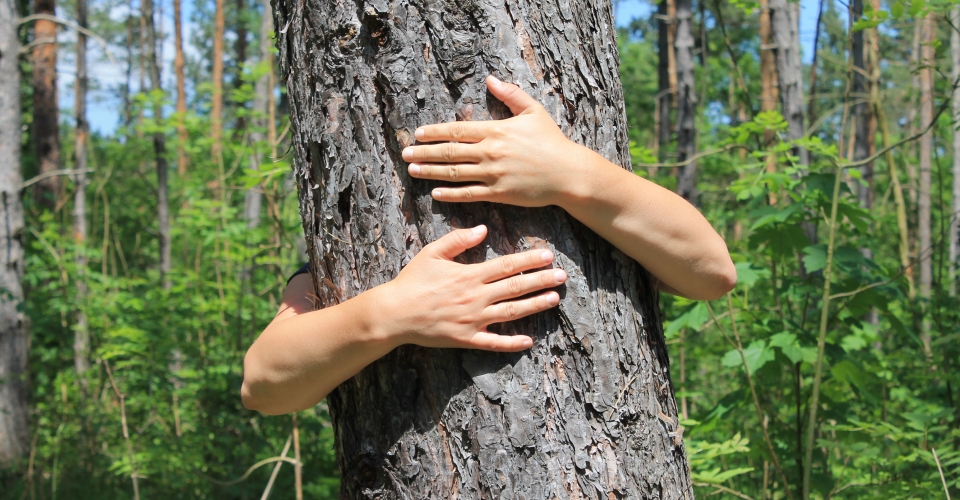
[589, 411]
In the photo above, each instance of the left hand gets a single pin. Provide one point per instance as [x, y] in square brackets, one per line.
[525, 160]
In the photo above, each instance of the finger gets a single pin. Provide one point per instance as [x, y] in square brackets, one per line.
[523, 284]
[516, 309]
[464, 172]
[509, 265]
[513, 96]
[500, 343]
[456, 242]
[448, 152]
[453, 131]
[477, 192]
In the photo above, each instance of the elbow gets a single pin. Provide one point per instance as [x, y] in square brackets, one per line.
[722, 280]
[255, 390]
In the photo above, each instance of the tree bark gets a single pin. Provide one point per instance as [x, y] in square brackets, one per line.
[14, 430]
[686, 104]
[46, 110]
[954, 219]
[159, 147]
[589, 410]
[666, 71]
[179, 61]
[769, 94]
[785, 18]
[261, 113]
[216, 107]
[923, 203]
[81, 334]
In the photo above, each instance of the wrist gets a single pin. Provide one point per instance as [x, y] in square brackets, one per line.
[382, 321]
[576, 184]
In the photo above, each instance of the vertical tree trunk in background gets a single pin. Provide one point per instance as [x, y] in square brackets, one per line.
[81, 334]
[240, 47]
[46, 110]
[915, 61]
[216, 107]
[954, 265]
[926, 147]
[784, 21]
[769, 95]
[686, 104]
[159, 147]
[664, 72]
[812, 106]
[861, 109]
[575, 416]
[178, 63]
[261, 102]
[14, 430]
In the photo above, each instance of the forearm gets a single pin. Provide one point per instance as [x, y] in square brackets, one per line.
[653, 225]
[296, 362]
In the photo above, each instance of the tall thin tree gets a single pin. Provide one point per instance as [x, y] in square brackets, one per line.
[14, 431]
[81, 334]
[216, 106]
[179, 61]
[785, 19]
[159, 144]
[954, 218]
[769, 93]
[686, 103]
[261, 113]
[46, 108]
[925, 251]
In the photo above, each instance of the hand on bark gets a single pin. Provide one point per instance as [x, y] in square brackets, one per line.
[525, 160]
[436, 302]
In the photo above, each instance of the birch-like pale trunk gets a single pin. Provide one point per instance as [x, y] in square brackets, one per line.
[261, 101]
[785, 19]
[589, 411]
[14, 424]
[81, 334]
[925, 250]
[686, 104]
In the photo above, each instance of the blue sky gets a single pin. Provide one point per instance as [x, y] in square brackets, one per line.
[104, 106]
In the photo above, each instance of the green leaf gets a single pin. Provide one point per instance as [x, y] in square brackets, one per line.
[896, 9]
[815, 258]
[748, 276]
[757, 354]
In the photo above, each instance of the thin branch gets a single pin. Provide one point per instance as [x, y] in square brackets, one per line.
[249, 471]
[693, 158]
[939, 468]
[74, 26]
[276, 469]
[724, 489]
[53, 173]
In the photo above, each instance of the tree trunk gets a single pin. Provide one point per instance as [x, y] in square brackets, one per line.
[666, 70]
[81, 335]
[769, 95]
[784, 20]
[261, 113]
[861, 110]
[159, 146]
[14, 431]
[923, 203]
[216, 107]
[178, 64]
[589, 410]
[686, 104]
[812, 106]
[240, 48]
[954, 219]
[46, 110]
[915, 61]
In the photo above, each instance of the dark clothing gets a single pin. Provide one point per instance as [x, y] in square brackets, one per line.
[303, 270]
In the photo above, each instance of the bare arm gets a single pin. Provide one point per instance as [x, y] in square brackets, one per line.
[527, 161]
[303, 354]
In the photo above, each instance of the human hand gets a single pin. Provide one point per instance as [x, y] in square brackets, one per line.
[525, 160]
[436, 302]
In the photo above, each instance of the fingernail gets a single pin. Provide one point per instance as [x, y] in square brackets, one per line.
[435, 193]
[560, 275]
[407, 153]
[479, 229]
[553, 299]
[527, 343]
[547, 255]
[414, 169]
[418, 133]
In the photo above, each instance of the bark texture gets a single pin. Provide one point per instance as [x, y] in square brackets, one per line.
[589, 411]
[46, 111]
[686, 104]
[785, 18]
[14, 432]
[769, 94]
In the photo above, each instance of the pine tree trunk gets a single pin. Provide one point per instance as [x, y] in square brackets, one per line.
[178, 64]
[686, 104]
[926, 148]
[784, 20]
[261, 101]
[861, 110]
[664, 55]
[46, 108]
[216, 107]
[81, 334]
[954, 219]
[159, 146]
[14, 430]
[589, 411]
[769, 94]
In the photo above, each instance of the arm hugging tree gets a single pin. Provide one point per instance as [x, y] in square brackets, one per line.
[589, 410]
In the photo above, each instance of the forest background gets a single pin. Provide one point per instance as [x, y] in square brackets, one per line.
[158, 243]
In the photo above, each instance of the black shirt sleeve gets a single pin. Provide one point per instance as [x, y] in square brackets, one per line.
[303, 270]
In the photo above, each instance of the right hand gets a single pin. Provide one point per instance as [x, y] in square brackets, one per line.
[436, 302]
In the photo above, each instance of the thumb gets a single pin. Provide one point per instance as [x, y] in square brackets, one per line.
[513, 96]
[457, 241]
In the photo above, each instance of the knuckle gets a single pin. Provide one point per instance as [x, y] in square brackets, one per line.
[507, 265]
[448, 151]
[454, 172]
[515, 285]
[511, 311]
[456, 131]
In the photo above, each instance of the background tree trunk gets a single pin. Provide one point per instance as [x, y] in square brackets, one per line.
[769, 95]
[261, 102]
[216, 107]
[589, 411]
[954, 219]
[925, 251]
[81, 335]
[686, 104]
[179, 62]
[46, 108]
[14, 431]
[666, 71]
[159, 146]
[785, 17]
